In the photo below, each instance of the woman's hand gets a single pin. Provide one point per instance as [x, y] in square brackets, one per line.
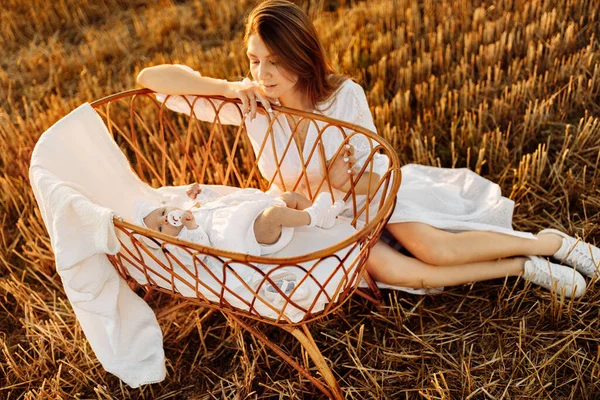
[341, 168]
[193, 191]
[249, 94]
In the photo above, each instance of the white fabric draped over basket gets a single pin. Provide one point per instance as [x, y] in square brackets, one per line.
[74, 170]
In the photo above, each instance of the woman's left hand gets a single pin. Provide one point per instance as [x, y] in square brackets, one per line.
[341, 168]
[250, 95]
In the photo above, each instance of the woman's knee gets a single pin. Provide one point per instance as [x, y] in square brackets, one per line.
[428, 244]
[388, 266]
[419, 277]
[438, 253]
[422, 277]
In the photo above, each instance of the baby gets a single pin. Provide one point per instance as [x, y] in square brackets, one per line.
[246, 221]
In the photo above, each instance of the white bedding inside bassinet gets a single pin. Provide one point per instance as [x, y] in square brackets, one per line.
[239, 278]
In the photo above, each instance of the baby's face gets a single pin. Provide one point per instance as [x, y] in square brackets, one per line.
[157, 221]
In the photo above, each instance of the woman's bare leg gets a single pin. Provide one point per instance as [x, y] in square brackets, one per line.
[388, 266]
[437, 247]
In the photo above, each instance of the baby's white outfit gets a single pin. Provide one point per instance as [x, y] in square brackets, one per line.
[227, 222]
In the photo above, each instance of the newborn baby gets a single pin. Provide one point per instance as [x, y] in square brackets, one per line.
[246, 221]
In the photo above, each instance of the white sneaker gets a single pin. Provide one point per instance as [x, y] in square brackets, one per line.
[554, 277]
[576, 253]
[323, 212]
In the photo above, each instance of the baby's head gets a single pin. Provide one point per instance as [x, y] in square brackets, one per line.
[157, 218]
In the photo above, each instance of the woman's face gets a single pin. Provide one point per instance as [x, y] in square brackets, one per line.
[273, 80]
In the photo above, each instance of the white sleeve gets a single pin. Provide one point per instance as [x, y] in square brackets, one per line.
[197, 236]
[350, 105]
[203, 109]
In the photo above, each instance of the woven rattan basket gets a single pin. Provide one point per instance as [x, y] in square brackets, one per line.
[168, 148]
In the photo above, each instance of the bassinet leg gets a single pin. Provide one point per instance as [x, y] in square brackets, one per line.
[365, 295]
[306, 340]
[374, 289]
[334, 393]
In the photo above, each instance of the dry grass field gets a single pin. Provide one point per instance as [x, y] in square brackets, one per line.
[509, 88]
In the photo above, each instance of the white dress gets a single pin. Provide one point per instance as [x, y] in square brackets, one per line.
[449, 199]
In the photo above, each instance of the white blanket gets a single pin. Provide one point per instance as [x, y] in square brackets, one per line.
[73, 170]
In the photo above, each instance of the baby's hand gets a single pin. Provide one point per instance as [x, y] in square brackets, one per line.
[193, 190]
[187, 219]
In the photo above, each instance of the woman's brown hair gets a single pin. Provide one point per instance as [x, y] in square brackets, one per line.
[292, 39]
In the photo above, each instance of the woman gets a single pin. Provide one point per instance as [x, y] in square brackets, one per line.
[288, 66]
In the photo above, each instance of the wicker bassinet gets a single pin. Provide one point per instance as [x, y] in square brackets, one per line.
[168, 148]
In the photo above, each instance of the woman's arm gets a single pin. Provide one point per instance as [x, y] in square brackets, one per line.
[341, 172]
[350, 104]
[171, 79]
[367, 184]
[178, 80]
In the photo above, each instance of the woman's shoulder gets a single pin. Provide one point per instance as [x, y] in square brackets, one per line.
[348, 87]
[348, 95]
